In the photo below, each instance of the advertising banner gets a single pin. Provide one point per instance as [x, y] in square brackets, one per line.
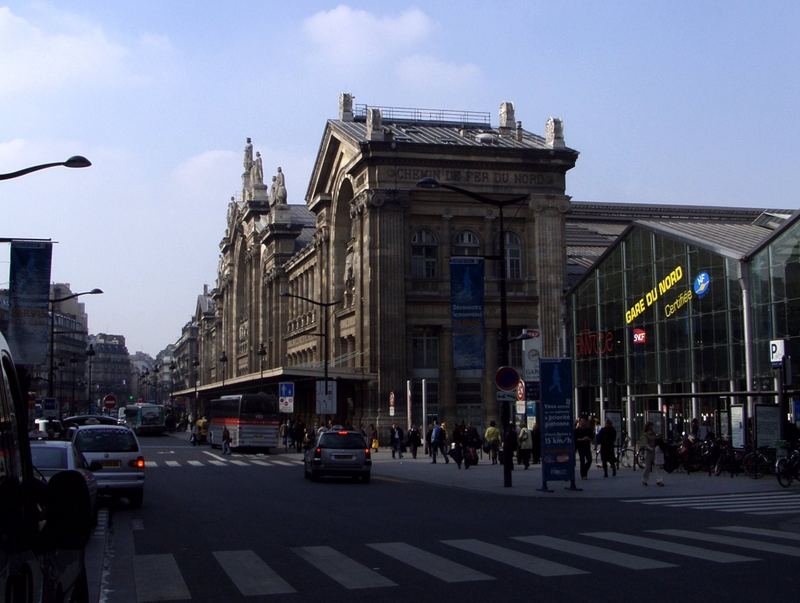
[738, 437]
[768, 425]
[326, 397]
[556, 415]
[29, 296]
[466, 299]
[531, 351]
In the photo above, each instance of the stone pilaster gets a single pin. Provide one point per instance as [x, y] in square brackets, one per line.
[549, 212]
[488, 387]
[447, 377]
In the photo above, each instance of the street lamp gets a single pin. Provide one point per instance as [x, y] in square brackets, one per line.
[90, 355]
[262, 352]
[223, 358]
[172, 368]
[52, 332]
[76, 161]
[324, 334]
[505, 411]
[156, 369]
[145, 379]
[195, 365]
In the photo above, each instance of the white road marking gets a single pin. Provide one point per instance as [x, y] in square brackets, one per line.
[195, 463]
[664, 546]
[760, 532]
[436, 566]
[172, 463]
[596, 553]
[158, 578]
[345, 571]
[523, 561]
[251, 575]
[240, 463]
[216, 456]
[745, 543]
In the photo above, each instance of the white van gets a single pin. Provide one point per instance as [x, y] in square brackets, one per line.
[53, 518]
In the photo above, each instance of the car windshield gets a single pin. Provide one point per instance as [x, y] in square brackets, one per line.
[341, 440]
[45, 457]
[106, 440]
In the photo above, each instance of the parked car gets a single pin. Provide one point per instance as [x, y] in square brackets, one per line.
[47, 429]
[338, 453]
[117, 449]
[53, 456]
[44, 527]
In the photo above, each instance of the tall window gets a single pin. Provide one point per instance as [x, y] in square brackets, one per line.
[513, 257]
[425, 348]
[423, 254]
[466, 243]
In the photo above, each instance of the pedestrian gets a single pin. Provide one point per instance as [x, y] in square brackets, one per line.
[607, 437]
[396, 441]
[457, 449]
[584, 436]
[472, 441]
[649, 441]
[491, 439]
[283, 432]
[436, 434]
[226, 440]
[299, 434]
[443, 442]
[373, 438]
[413, 440]
[525, 442]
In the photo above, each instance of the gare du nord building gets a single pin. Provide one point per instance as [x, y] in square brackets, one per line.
[677, 320]
[371, 254]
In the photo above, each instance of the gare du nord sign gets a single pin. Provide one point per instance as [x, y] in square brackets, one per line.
[461, 177]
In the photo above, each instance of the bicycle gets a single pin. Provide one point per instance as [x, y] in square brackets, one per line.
[728, 460]
[756, 463]
[787, 469]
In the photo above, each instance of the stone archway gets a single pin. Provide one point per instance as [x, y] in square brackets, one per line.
[341, 245]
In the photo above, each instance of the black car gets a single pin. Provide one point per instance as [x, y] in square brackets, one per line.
[79, 420]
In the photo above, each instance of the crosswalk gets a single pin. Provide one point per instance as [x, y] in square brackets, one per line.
[757, 503]
[539, 555]
[214, 460]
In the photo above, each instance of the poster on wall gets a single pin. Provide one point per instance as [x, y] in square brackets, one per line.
[738, 427]
[556, 414]
[466, 301]
[768, 425]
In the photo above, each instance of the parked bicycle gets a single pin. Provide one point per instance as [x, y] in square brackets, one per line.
[758, 463]
[787, 469]
[729, 460]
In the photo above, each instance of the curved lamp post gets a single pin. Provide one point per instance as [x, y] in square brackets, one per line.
[52, 333]
[262, 353]
[505, 411]
[223, 359]
[76, 161]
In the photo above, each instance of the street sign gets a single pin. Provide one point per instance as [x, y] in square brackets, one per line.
[110, 401]
[286, 397]
[506, 378]
[391, 404]
[776, 352]
[531, 352]
[326, 402]
[506, 396]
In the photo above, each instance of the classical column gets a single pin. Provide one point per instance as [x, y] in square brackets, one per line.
[447, 376]
[550, 241]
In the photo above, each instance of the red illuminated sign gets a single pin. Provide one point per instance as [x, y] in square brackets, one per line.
[639, 336]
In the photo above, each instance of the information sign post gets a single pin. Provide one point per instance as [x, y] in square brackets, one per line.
[556, 414]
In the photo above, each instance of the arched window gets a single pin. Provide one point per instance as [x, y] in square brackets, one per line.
[423, 254]
[466, 243]
[513, 257]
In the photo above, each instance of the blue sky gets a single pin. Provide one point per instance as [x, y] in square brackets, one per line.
[679, 102]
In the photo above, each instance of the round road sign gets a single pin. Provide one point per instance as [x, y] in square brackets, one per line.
[506, 378]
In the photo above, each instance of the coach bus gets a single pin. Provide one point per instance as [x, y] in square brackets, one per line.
[252, 420]
[143, 418]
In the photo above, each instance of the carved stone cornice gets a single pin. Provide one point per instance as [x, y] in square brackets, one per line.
[272, 273]
[320, 237]
[550, 204]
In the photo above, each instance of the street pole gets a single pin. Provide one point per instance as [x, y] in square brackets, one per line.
[505, 409]
[90, 354]
[195, 365]
[76, 161]
[262, 352]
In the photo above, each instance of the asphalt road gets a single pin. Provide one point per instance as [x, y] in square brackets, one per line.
[250, 528]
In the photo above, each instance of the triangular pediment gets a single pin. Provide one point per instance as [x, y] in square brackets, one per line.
[334, 145]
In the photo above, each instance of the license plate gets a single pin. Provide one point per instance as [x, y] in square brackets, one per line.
[343, 457]
[109, 463]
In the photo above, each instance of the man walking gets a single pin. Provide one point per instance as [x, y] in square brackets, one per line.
[396, 441]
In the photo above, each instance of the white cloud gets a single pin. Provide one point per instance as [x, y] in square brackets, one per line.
[345, 37]
[33, 60]
[414, 69]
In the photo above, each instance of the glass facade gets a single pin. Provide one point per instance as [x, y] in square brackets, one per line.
[659, 322]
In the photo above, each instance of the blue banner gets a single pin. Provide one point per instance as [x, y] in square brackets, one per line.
[557, 420]
[466, 298]
[29, 296]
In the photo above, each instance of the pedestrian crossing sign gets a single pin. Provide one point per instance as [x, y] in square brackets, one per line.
[286, 397]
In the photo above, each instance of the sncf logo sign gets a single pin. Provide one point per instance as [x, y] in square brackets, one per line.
[639, 336]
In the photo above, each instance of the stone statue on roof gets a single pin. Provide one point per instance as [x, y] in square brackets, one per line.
[257, 171]
[248, 156]
[280, 188]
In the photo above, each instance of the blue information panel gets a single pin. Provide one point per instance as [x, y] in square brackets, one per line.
[556, 416]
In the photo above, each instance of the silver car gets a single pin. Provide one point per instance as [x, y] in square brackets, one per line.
[117, 449]
[52, 456]
[338, 453]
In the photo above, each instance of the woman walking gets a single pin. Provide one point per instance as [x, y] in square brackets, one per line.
[492, 439]
[608, 440]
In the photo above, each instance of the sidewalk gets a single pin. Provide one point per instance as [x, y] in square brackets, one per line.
[486, 477]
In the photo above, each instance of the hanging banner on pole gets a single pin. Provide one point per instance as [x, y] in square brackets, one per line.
[466, 299]
[326, 397]
[29, 297]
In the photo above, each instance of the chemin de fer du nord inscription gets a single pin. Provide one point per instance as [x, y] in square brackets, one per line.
[461, 177]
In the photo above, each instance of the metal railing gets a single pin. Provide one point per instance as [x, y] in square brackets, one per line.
[447, 116]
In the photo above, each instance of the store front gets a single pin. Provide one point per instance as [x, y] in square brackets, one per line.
[674, 323]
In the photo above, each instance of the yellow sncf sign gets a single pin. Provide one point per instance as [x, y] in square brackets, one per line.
[652, 296]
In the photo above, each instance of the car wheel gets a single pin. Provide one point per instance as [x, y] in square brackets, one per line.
[135, 498]
[314, 476]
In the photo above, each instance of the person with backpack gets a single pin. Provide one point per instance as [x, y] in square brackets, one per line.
[226, 440]
[525, 443]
